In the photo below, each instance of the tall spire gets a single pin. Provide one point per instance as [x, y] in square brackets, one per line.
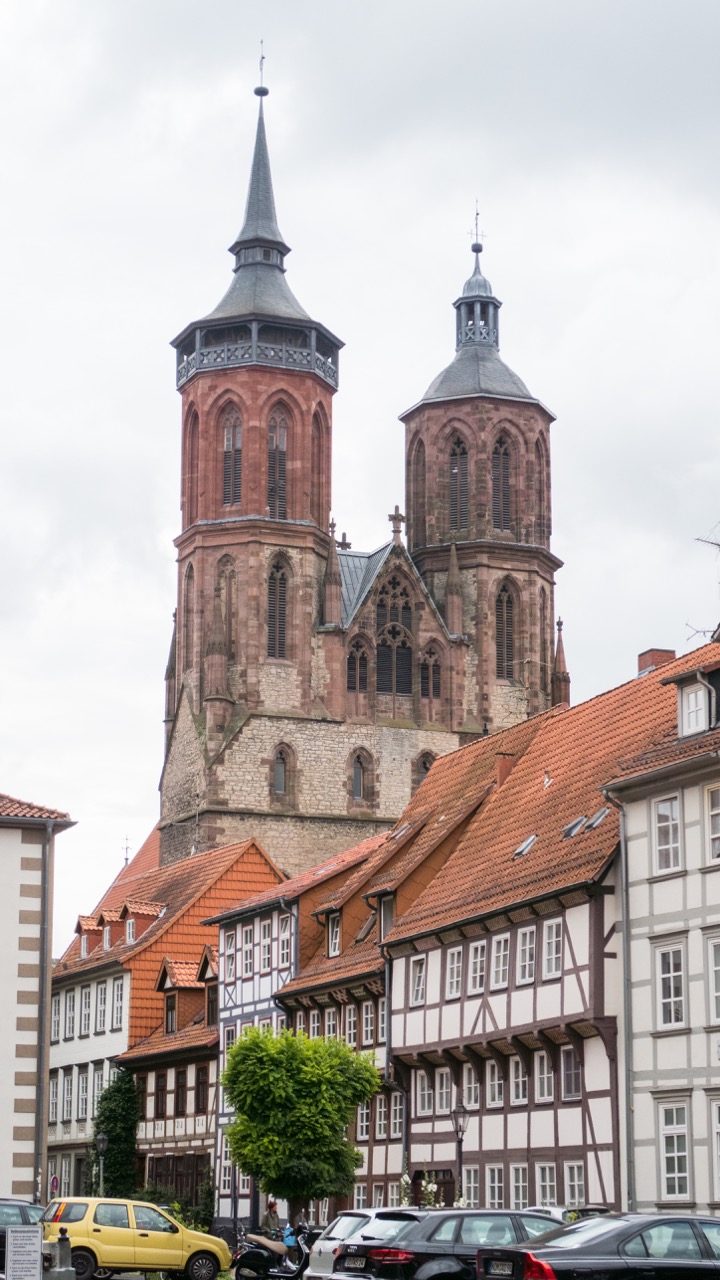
[260, 227]
[560, 675]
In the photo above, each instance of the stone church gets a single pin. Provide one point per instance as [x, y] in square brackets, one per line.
[310, 686]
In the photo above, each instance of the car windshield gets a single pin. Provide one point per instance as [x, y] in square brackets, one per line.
[34, 1212]
[345, 1226]
[579, 1233]
[385, 1227]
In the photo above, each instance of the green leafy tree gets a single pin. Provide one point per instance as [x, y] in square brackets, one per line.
[294, 1098]
[117, 1116]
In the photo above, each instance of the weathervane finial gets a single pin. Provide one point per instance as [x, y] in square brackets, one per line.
[476, 246]
[261, 91]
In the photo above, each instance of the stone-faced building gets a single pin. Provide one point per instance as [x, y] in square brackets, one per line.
[311, 686]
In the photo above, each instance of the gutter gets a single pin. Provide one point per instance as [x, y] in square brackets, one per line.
[627, 1006]
[43, 1009]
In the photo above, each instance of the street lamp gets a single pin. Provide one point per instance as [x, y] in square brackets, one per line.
[101, 1146]
[460, 1119]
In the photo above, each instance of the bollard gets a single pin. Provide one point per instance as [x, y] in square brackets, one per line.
[62, 1267]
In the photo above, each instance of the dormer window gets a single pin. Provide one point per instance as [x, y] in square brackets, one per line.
[334, 934]
[129, 930]
[106, 938]
[387, 911]
[693, 709]
[83, 945]
[170, 1014]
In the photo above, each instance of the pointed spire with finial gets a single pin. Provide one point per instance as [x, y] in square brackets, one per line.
[453, 595]
[560, 675]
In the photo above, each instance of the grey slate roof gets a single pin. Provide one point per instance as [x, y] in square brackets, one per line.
[477, 370]
[259, 289]
[358, 571]
[260, 217]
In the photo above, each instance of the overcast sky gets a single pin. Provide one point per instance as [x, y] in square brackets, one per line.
[587, 130]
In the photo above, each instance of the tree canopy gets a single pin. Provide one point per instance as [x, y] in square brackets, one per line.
[118, 1112]
[294, 1099]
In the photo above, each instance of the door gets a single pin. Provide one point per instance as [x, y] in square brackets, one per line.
[158, 1241]
[111, 1236]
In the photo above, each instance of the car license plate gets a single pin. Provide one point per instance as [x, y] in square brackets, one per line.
[354, 1264]
[495, 1268]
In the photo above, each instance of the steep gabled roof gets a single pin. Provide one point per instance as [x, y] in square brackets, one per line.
[178, 975]
[159, 1045]
[358, 571]
[10, 807]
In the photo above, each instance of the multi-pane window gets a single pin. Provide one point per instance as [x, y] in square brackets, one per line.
[97, 1086]
[543, 1077]
[518, 1081]
[277, 456]
[714, 966]
[552, 949]
[107, 937]
[381, 1116]
[500, 961]
[378, 1195]
[671, 987]
[117, 1004]
[471, 1086]
[55, 1018]
[360, 1195]
[334, 934]
[667, 833]
[397, 1113]
[494, 1186]
[65, 1176]
[232, 456]
[69, 1014]
[351, 1025]
[247, 951]
[230, 956]
[284, 956]
[160, 1094]
[571, 1073]
[574, 1184]
[225, 1167]
[67, 1094]
[424, 1095]
[546, 1184]
[526, 955]
[442, 1089]
[299, 1021]
[476, 968]
[130, 930]
[230, 1035]
[265, 945]
[331, 1023]
[674, 1139]
[713, 801]
[417, 980]
[363, 1121]
[458, 484]
[100, 1006]
[393, 1195]
[53, 1101]
[471, 1186]
[504, 634]
[493, 1084]
[201, 1090]
[518, 1186]
[453, 976]
[83, 946]
[314, 1024]
[180, 1091]
[382, 1020]
[277, 611]
[694, 700]
[368, 1022]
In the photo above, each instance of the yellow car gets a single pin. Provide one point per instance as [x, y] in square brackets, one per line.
[129, 1235]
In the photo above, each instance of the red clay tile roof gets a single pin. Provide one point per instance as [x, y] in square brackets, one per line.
[12, 808]
[360, 959]
[181, 973]
[158, 1044]
[133, 906]
[292, 889]
[109, 916]
[666, 754]
[86, 923]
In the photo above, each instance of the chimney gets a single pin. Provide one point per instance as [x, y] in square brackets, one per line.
[652, 658]
[504, 765]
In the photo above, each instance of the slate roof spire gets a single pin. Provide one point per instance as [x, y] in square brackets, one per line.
[260, 227]
[560, 675]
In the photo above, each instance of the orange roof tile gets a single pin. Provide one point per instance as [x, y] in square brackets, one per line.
[133, 906]
[12, 808]
[181, 973]
[158, 1044]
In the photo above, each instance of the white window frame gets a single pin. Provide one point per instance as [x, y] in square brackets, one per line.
[546, 1184]
[443, 1091]
[712, 813]
[544, 1077]
[378, 1197]
[53, 1099]
[265, 946]
[362, 1131]
[65, 1176]
[714, 980]
[471, 1087]
[453, 973]
[85, 1010]
[471, 1185]
[100, 1007]
[117, 1005]
[70, 1014]
[382, 1019]
[130, 929]
[574, 1174]
[225, 1166]
[397, 1115]
[381, 1116]
[668, 1002]
[518, 1082]
[284, 948]
[494, 1085]
[331, 1022]
[300, 1021]
[667, 834]
[570, 1075]
[552, 949]
[360, 1195]
[494, 1186]
[693, 700]
[476, 968]
[314, 1024]
[417, 980]
[55, 1019]
[393, 1195]
[107, 937]
[423, 1095]
[675, 1165]
[519, 1187]
[351, 1021]
[67, 1094]
[500, 962]
[368, 1022]
[248, 948]
[526, 956]
[230, 956]
[83, 946]
[82, 1108]
[334, 934]
[98, 1085]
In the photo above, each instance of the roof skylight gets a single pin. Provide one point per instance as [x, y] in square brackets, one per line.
[523, 848]
[573, 828]
[596, 819]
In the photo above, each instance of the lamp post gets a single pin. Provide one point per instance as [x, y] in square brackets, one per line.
[460, 1119]
[101, 1146]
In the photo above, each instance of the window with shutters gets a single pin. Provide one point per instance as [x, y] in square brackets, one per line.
[277, 460]
[394, 658]
[316, 477]
[417, 511]
[357, 668]
[458, 484]
[504, 634]
[277, 610]
[189, 619]
[501, 484]
[231, 429]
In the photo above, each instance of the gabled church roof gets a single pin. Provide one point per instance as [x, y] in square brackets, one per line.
[358, 571]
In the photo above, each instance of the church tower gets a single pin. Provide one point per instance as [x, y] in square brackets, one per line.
[477, 454]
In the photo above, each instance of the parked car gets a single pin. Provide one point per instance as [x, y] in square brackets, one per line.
[130, 1235]
[376, 1223]
[631, 1244]
[16, 1213]
[442, 1244]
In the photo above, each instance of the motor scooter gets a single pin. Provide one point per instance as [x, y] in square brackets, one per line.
[259, 1258]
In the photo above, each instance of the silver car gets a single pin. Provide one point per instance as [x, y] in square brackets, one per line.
[371, 1224]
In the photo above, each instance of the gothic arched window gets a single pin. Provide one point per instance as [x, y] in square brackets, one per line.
[231, 427]
[417, 530]
[357, 668]
[394, 662]
[458, 485]
[280, 771]
[192, 469]
[430, 676]
[189, 619]
[277, 458]
[358, 778]
[316, 458]
[228, 603]
[541, 521]
[393, 605]
[276, 612]
[504, 634]
[501, 484]
[361, 779]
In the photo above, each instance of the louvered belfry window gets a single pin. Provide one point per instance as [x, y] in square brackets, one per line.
[277, 605]
[232, 456]
[316, 472]
[277, 456]
[357, 669]
[501, 485]
[394, 663]
[504, 634]
[458, 485]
